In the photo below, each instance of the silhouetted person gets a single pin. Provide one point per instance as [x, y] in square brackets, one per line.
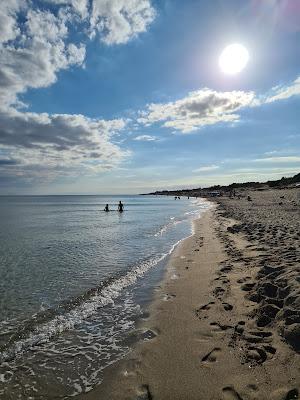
[120, 206]
[106, 208]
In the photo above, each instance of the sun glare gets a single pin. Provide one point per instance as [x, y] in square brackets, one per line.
[233, 59]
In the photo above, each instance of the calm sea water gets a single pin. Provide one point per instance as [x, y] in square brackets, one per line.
[74, 281]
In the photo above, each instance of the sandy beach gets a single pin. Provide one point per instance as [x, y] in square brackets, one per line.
[225, 322]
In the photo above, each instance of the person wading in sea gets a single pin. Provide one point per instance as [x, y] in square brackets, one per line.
[106, 208]
[120, 206]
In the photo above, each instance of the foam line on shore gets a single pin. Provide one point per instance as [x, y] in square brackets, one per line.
[49, 323]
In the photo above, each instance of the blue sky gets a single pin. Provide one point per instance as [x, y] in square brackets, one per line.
[127, 96]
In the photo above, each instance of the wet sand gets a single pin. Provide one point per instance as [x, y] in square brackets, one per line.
[225, 323]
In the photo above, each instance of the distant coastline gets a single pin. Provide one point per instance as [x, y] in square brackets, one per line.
[283, 183]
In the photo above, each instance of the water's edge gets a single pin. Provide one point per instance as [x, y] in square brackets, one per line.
[123, 298]
[141, 333]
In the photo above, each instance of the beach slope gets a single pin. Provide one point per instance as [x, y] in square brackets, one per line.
[225, 321]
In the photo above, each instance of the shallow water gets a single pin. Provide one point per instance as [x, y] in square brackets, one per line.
[74, 281]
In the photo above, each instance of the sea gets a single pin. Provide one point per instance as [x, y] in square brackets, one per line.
[74, 283]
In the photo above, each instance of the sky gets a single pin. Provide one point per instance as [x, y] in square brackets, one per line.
[128, 96]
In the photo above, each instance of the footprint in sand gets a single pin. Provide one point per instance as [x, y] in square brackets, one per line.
[205, 307]
[229, 393]
[219, 292]
[239, 328]
[285, 394]
[212, 355]
[256, 355]
[270, 349]
[169, 296]
[223, 279]
[258, 336]
[243, 280]
[217, 327]
[144, 393]
[148, 335]
[246, 287]
[227, 268]
[227, 306]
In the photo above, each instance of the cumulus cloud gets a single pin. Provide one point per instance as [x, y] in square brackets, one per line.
[199, 108]
[118, 21]
[145, 138]
[58, 142]
[35, 44]
[34, 60]
[208, 107]
[9, 29]
[80, 6]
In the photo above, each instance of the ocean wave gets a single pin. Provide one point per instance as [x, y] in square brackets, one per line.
[47, 324]
[167, 226]
[199, 206]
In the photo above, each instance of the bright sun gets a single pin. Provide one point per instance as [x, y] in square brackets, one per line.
[233, 59]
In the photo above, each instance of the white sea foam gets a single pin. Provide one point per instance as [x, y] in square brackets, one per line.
[169, 225]
[44, 332]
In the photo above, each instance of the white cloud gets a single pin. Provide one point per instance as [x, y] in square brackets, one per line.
[199, 108]
[34, 60]
[208, 107]
[80, 6]
[268, 153]
[58, 142]
[284, 92]
[118, 21]
[36, 42]
[207, 168]
[283, 159]
[35, 45]
[145, 138]
[9, 29]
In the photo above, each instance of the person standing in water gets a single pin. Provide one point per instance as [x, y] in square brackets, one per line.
[106, 208]
[120, 206]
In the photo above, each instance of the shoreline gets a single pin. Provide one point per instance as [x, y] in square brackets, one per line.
[202, 339]
[144, 328]
[149, 327]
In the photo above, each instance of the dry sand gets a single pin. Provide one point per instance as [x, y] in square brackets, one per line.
[226, 321]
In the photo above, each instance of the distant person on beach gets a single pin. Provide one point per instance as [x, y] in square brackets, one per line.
[120, 206]
[106, 208]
